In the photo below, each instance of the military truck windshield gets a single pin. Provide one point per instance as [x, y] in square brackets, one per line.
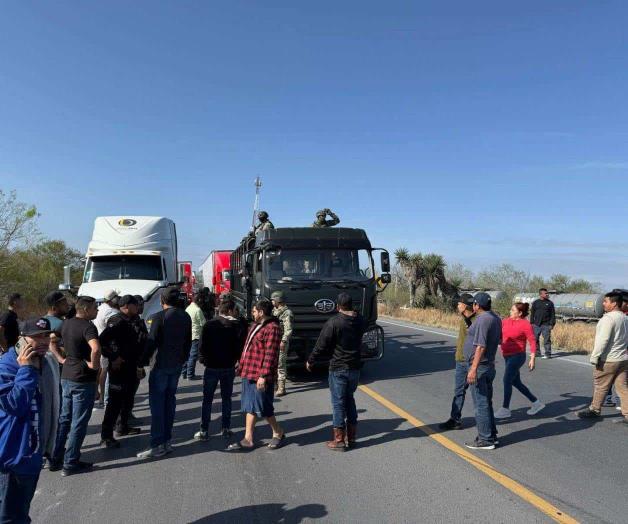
[325, 264]
[137, 267]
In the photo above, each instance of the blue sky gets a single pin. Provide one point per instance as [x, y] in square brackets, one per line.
[488, 132]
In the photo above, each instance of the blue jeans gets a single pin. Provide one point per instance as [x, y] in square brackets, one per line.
[482, 392]
[189, 368]
[16, 494]
[211, 378]
[512, 377]
[342, 386]
[162, 390]
[76, 410]
[546, 331]
[462, 368]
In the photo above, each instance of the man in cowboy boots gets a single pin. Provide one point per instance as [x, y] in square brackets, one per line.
[341, 339]
[286, 318]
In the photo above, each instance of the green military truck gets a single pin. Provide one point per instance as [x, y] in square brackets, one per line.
[312, 266]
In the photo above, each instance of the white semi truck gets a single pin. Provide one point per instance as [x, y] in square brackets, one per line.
[136, 255]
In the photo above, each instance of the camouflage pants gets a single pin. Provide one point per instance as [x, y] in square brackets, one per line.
[282, 370]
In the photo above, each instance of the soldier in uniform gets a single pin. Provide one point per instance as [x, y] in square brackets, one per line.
[264, 223]
[321, 218]
[286, 318]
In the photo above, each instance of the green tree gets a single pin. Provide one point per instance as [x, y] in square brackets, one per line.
[18, 221]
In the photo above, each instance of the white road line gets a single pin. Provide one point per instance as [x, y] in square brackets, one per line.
[562, 359]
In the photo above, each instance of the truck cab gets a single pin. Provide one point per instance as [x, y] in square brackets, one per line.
[312, 266]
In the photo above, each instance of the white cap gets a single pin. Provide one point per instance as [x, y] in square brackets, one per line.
[110, 295]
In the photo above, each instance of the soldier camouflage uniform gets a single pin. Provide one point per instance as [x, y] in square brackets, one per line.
[286, 319]
[322, 222]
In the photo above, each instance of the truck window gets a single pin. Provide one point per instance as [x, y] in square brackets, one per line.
[137, 267]
[324, 264]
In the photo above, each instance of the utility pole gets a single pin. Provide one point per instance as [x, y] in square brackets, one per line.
[258, 186]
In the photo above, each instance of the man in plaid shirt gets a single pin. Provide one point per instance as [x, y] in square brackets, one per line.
[258, 368]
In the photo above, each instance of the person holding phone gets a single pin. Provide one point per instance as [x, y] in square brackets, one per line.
[29, 407]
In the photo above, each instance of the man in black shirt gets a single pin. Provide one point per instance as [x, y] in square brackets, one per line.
[9, 326]
[341, 337]
[78, 382]
[220, 347]
[169, 339]
[120, 345]
[543, 320]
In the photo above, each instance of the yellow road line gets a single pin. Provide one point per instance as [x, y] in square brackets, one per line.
[510, 484]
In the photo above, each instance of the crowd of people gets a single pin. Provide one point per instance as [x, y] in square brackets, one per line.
[58, 369]
[482, 332]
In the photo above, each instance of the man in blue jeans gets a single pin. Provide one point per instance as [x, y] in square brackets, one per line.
[465, 308]
[480, 347]
[220, 347]
[169, 339]
[341, 339]
[78, 384]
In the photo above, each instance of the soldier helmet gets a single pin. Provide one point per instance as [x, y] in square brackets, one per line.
[278, 296]
[321, 213]
[262, 215]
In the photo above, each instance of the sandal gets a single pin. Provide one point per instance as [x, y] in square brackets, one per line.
[277, 442]
[238, 447]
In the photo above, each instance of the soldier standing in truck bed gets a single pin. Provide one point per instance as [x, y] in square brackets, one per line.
[321, 218]
[264, 223]
[286, 318]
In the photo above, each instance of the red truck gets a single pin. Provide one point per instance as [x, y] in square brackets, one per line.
[216, 271]
[186, 276]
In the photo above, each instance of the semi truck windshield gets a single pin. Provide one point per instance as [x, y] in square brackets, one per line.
[138, 267]
[327, 264]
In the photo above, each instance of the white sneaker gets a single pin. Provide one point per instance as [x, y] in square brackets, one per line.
[201, 435]
[157, 452]
[168, 448]
[618, 408]
[502, 413]
[536, 407]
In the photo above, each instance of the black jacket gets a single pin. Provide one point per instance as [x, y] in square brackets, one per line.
[542, 313]
[340, 339]
[221, 342]
[120, 340]
[170, 336]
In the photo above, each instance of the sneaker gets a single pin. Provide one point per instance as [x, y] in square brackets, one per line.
[98, 406]
[226, 433]
[168, 447]
[588, 413]
[480, 444]
[157, 452]
[123, 432]
[110, 443]
[502, 413]
[80, 467]
[618, 408]
[608, 402]
[54, 465]
[201, 435]
[450, 424]
[536, 407]
[545, 357]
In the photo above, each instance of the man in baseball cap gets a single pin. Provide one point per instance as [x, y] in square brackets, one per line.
[465, 309]
[58, 308]
[29, 384]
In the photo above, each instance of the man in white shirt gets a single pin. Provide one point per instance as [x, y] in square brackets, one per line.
[106, 310]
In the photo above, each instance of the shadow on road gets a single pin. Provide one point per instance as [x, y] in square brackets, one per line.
[266, 514]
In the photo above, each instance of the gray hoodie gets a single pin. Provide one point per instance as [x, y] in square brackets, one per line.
[611, 338]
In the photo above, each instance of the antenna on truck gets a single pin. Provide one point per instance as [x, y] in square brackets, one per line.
[258, 186]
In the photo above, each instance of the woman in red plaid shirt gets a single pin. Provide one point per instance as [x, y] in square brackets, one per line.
[258, 369]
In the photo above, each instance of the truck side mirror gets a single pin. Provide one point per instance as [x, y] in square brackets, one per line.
[385, 262]
[226, 275]
[67, 282]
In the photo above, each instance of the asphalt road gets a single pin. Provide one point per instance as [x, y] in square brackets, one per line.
[397, 474]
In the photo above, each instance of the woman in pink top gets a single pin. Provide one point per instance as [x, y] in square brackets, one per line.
[516, 331]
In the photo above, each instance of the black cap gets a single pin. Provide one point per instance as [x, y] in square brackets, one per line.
[125, 300]
[54, 297]
[466, 299]
[483, 300]
[35, 326]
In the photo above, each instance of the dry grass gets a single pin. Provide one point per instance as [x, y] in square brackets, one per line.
[572, 337]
